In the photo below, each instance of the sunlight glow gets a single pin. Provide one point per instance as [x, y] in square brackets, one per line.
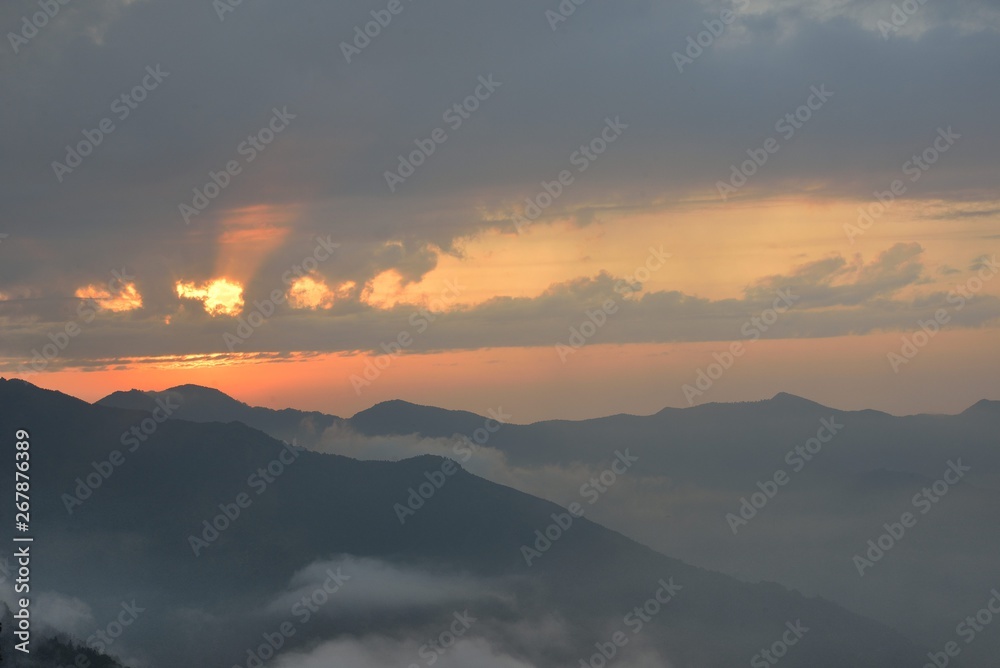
[127, 299]
[220, 296]
[310, 292]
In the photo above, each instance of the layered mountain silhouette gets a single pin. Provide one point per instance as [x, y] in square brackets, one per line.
[135, 538]
[673, 439]
[697, 464]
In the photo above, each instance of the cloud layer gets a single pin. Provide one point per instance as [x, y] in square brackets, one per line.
[346, 123]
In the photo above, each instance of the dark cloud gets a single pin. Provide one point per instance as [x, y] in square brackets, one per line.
[120, 206]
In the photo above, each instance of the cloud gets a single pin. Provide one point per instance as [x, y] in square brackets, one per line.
[53, 613]
[120, 206]
[378, 587]
[371, 652]
[220, 297]
[833, 296]
[324, 175]
[377, 652]
[56, 613]
[383, 613]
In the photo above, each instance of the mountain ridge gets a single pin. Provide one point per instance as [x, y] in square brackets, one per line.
[780, 399]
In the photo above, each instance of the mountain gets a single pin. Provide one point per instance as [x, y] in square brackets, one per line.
[205, 404]
[691, 443]
[402, 417]
[984, 407]
[133, 535]
[696, 464]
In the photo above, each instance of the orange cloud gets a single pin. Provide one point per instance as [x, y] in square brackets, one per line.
[308, 292]
[127, 299]
[313, 293]
[220, 296]
[384, 291]
[387, 291]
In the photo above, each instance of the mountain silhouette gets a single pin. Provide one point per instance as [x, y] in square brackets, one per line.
[697, 463]
[131, 538]
[205, 404]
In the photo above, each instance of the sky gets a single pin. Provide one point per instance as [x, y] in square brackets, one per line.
[617, 208]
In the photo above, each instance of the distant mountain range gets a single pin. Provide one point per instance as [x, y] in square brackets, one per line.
[144, 534]
[669, 434]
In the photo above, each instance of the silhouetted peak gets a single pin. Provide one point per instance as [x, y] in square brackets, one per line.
[16, 389]
[395, 404]
[786, 400]
[17, 383]
[201, 392]
[986, 406]
[402, 417]
[399, 408]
